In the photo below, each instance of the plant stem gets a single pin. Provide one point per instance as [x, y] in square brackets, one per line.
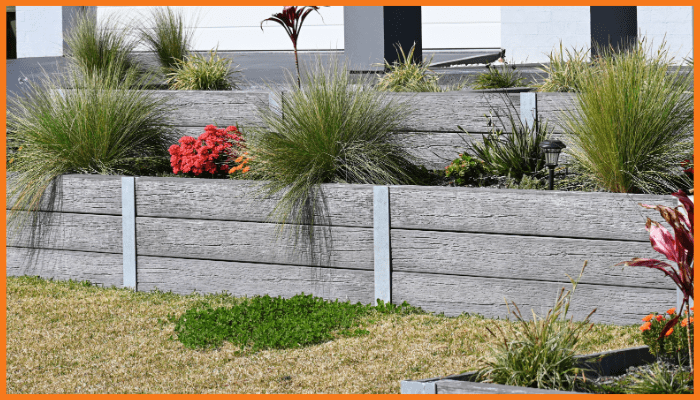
[296, 61]
[690, 344]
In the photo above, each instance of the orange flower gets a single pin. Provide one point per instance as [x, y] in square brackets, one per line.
[645, 327]
[671, 310]
[670, 331]
[684, 322]
[647, 318]
[660, 318]
[246, 169]
[239, 159]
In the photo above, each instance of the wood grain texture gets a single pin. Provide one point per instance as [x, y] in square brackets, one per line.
[199, 108]
[552, 108]
[250, 242]
[99, 268]
[94, 194]
[454, 295]
[448, 386]
[443, 112]
[244, 279]
[524, 212]
[241, 200]
[66, 231]
[523, 257]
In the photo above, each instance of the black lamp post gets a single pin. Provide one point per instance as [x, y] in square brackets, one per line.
[552, 149]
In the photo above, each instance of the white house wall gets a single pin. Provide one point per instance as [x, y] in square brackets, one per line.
[238, 28]
[529, 34]
[39, 31]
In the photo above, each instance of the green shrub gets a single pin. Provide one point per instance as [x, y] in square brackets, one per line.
[203, 73]
[99, 48]
[332, 131]
[100, 126]
[499, 78]
[465, 170]
[405, 75]
[661, 379]
[633, 122]
[675, 345]
[564, 74]
[512, 154]
[168, 38]
[274, 322]
[538, 353]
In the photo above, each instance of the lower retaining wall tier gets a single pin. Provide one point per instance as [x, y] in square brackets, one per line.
[450, 250]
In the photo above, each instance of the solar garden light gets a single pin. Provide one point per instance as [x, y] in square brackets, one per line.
[552, 148]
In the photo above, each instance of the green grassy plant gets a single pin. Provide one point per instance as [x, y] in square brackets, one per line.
[465, 170]
[167, 36]
[99, 126]
[197, 72]
[512, 154]
[99, 48]
[663, 380]
[633, 122]
[406, 75]
[563, 74]
[499, 78]
[332, 131]
[265, 322]
[538, 353]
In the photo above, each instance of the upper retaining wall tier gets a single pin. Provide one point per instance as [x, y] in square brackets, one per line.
[452, 250]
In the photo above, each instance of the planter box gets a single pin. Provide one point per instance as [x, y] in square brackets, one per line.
[606, 363]
[450, 250]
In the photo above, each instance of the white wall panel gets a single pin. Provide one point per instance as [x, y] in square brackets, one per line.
[676, 23]
[461, 27]
[39, 31]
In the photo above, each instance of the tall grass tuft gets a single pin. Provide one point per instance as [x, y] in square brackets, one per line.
[405, 75]
[100, 127]
[495, 78]
[332, 130]
[539, 353]
[99, 48]
[197, 72]
[168, 37]
[564, 73]
[633, 124]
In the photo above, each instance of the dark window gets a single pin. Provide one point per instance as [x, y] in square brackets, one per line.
[11, 33]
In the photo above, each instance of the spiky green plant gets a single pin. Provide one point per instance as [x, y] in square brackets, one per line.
[329, 131]
[563, 74]
[99, 126]
[540, 352]
[661, 379]
[99, 47]
[197, 72]
[406, 75]
[499, 78]
[515, 153]
[633, 121]
[167, 36]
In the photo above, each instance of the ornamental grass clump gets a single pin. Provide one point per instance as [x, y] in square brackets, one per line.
[539, 353]
[198, 72]
[167, 36]
[563, 74]
[495, 78]
[98, 127]
[406, 75]
[329, 131]
[100, 48]
[633, 121]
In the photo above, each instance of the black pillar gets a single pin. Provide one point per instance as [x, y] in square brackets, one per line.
[402, 26]
[613, 26]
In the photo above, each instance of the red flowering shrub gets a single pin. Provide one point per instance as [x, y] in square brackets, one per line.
[206, 153]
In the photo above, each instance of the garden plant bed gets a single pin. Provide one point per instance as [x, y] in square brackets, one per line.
[602, 365]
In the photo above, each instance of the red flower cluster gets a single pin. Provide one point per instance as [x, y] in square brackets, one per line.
[202, 154]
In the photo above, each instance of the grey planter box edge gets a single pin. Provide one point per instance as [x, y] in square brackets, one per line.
[612, 362]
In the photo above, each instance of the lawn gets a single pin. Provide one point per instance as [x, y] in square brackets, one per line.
[70, 337]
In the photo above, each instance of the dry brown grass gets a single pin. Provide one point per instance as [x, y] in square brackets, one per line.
[69, 338]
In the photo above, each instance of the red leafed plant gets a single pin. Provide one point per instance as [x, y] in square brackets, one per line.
[292, 18]
[205, 154]
[677, 248]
